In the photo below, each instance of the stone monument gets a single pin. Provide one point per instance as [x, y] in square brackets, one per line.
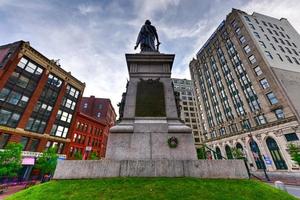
[150, 140]
[150, 120]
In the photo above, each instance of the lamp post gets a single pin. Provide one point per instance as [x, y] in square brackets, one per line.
[259, 155]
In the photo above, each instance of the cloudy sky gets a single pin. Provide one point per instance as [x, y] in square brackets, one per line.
[91, 37]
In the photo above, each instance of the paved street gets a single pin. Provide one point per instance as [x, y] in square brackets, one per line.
[292, 189]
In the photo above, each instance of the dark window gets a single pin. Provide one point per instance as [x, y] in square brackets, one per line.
[291, 137]
[4, 137]
[34, 145]
[24, 142]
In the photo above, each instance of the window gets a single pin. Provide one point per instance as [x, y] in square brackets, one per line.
[256, 21]
[261, 28]
[281, 28]
[288, 42]
[257, 70]
[251, 26]
[280, 47]
[238, 31]
[273, 100]
[279, 113]
[246, 124]
[256, 35]
[262, 44]
[247, 49]
[294, 44]
[4, 137]
[270, 31]
[9, 118]
[296, 61]
[269, 55]
[267, 37]
[275, 39]
[34, 145]
[280, 58]
[85, 105]
[264, 23]
[260, 120]
[252, 59]
[295, 52]
[288, 50]
[281, 40]
[24, 142]
[272, 45]
[289, 59]
[100, 106]
[247, 18]
[291, 137]
[264, 83]
[242, 40]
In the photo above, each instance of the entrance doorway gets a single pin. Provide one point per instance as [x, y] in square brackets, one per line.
[275, 153]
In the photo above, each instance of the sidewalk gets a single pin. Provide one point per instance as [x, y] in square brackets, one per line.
[11, 190]
[288, 178]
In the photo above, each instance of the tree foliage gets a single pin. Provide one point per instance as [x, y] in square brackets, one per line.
[201, 154]
[295, 152]
[10, 160]
[47, 162]
[93, 156]
[237, 153]
[78, 155]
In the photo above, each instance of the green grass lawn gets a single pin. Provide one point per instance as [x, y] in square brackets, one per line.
[152, 188]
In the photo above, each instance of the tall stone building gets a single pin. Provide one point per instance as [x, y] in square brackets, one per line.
[189, 111]
[38, 102]
[247, 78]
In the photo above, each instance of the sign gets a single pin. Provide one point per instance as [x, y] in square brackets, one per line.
[28, 161]
[88, 148]
[268, 161]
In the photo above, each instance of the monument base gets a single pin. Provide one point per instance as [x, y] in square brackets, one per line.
[146, 138]
[86, 169]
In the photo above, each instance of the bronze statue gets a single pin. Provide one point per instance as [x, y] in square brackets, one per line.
[147, 37]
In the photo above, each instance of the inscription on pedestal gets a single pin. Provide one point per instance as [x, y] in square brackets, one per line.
[150, 99]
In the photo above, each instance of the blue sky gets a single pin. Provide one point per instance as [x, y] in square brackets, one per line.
[91, 37]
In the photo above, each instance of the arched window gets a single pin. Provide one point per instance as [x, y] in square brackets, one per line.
[228, 152]
[239, 146]
[219, 154]
[256, 155]
[276, 154]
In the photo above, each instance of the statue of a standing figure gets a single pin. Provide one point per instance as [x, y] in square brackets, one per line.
[147, 37]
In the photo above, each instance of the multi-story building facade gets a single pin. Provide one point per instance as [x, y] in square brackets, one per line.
[98, 108]
[247, 78]
[93, 122]
[90, 135]
[189, 111]
[38, 102]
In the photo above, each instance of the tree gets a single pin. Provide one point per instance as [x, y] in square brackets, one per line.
[78, 155]
[295, 152]
[237, 153]
[93, 156]
[10, 160]
[201, 154]
[47, 162]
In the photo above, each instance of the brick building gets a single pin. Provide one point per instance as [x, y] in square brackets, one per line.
[90, 135]
[38, 101]
[246, 78]
[93, 122]
[98, 108]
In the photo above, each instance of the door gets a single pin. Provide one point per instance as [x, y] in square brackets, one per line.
[275, 153]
